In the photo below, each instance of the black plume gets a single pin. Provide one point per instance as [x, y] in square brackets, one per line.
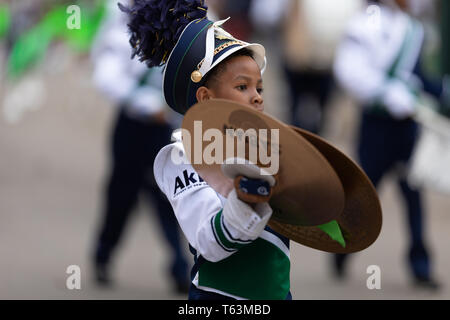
[156, 25]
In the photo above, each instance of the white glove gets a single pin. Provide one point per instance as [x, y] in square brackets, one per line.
[399, 100]
[248, 222]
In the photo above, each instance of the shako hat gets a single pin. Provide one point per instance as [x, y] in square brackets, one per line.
[178, 34]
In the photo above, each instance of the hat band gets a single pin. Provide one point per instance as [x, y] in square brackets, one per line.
[220, 48]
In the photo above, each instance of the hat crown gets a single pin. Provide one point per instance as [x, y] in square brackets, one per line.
[178, 34]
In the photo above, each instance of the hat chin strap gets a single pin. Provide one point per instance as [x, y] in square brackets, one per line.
[210, 44]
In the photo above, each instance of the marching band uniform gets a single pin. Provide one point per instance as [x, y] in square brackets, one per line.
[219, 245]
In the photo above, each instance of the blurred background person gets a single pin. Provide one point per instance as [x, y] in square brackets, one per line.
[141, 129]
[239, 25]
[379, 62]
[310, 31]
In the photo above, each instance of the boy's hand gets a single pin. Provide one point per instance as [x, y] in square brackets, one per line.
[251, 183]
[248, 221]
[247, 209]
[252, 191]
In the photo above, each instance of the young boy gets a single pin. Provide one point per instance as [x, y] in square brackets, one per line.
[236, 255]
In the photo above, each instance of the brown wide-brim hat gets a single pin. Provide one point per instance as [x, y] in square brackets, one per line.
[315, 182]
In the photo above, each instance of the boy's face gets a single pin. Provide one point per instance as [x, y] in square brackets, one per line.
[240, 81]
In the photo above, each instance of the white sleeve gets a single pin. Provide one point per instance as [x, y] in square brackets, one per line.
[111, 76]
[196, 205]
[117, 76]
[355, 71]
